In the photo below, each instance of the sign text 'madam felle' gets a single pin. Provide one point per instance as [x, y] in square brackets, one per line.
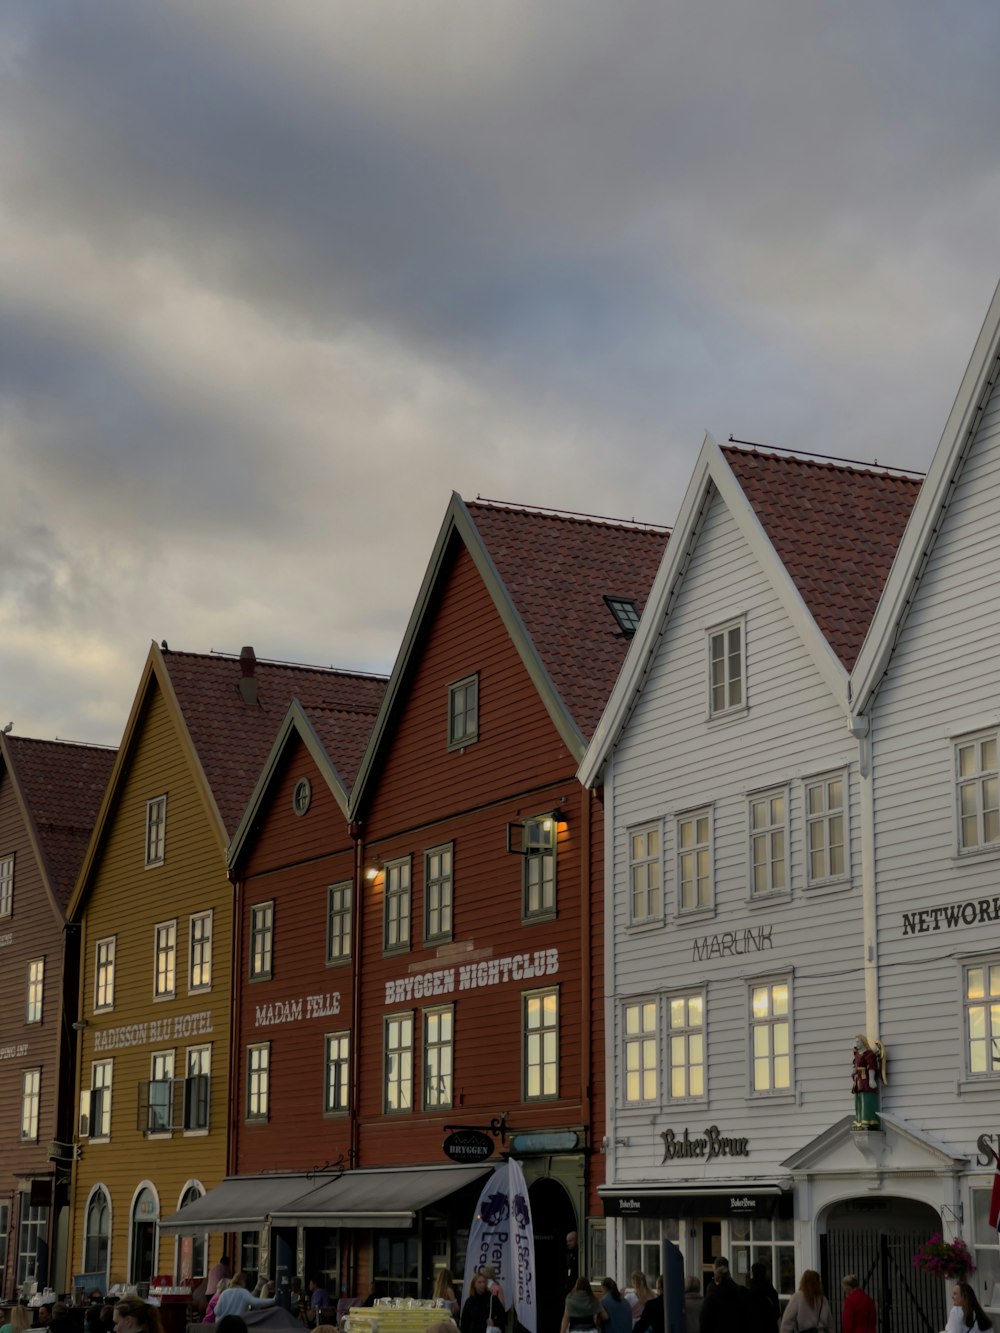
[487, 972]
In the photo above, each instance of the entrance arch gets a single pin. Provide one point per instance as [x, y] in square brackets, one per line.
[552, 1218]
[142, 1234]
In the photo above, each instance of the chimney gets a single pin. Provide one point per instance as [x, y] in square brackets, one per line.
[248, 675]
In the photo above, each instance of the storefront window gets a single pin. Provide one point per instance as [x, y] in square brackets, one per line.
[644, 1237]
[984, 1238]
[397, 1264]
[768, 1241]
[250, 1254]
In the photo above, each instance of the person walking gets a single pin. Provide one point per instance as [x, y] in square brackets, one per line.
[482, 1309]
[726, 1306]
[859, 1314]
[808, 1309]
[765, 1307]
[582, 1312]
[616, 1307]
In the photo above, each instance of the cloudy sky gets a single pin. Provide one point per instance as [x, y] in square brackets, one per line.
[278, 277]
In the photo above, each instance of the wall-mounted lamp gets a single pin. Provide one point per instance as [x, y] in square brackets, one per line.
[79, 1025]
[372, 873]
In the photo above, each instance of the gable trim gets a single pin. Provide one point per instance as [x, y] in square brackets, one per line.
[32, 831]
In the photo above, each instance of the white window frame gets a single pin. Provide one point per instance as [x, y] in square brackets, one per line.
[540, 1044]
[104, 973]
[825, 818]
[339, 918]
[336, 1081]
[768, 1018]
[977, 793]
[35, 1000]
[156, 831]
[258, 1105]
[684, 863]
[200, 967]
[981, 1019]
[161, 1070]
[439, 891]
[439, 1057]
[540, 842]
[261, 952]
[197, 1064]
[398, 904]
[687, 1042]
[727, 687]
[31, 1104]
[645, 873]
[640, 1047]
[397, 1065]
[762, 837]
[102, 1073]
[7, 885]
[165, 960]
[463, 712]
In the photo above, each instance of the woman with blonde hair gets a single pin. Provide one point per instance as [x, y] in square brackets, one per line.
[20, 1320]
[444, 1290]
[638, 1293]
[808, 1311]
[134, 1316]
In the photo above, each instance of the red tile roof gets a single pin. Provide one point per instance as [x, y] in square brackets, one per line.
[344, 736]
[62, 785]
[557, 570]
[233, 739]
[835, 528]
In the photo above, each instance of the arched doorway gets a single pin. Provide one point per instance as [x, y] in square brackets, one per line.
[876, 1239]
[97, 1232]
[142, 1248]
[552, 1218]
[191, 1252]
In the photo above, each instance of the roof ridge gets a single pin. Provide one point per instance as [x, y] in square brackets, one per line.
[217, 655]
[15, 739]
[570, 515]
[824, 462]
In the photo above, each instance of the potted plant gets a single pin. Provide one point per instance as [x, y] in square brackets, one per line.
[945, 1258]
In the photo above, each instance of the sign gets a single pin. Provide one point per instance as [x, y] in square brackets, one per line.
[13, 1052]
[468, 1145]
[6, 938]
[736, 1203]
[545, 1140]
[160, 1029]
[712, 1145]
[732, 943]
[516, 967]
[502, 1236]
[976, 911]
[293, 1011]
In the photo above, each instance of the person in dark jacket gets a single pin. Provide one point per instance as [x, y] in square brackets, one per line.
[765, 1307]
[652, 1317]
[483, 1309]
[727, 1306]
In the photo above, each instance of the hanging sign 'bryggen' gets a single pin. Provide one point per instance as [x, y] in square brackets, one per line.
[468, 1145]
[712, 1145]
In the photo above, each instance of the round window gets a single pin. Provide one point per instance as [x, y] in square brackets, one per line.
[302, 796]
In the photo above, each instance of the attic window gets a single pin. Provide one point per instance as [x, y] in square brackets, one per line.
[623, 610]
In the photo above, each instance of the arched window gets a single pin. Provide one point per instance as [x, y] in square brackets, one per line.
[97, 1242]
[145, 1215]
[199, 1244]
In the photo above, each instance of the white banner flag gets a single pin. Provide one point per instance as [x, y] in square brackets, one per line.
[501, 1237]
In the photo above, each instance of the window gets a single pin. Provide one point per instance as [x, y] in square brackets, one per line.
[36, 982]
[197, 1087]
[825, 829]
[199, 1244]
[165, 960]
[694, 861]
[640, 1043]
[645, 873]
[156, 827]
[261, 941]
[726, 684]
[160, 1111]
[438, 889]
[984, 1241]
[337, 1066]
[541, 1045]
[644, 1237]
[34, 1225]
[95, 1102]
[104, 974]
[4, 1229]
[982, 1017]
[6, 885]
[767, 843]
[463, 712]
[397, 904]
[200, 962]
[338, 922]
[398, 1073]
[978, 796]
[31, 1085]
[771, 1036]
[540, 836]
[768, 1241]
[258, 1081]
[250, 1254]
[687, 1046]
[439, 1054]
[623, 610]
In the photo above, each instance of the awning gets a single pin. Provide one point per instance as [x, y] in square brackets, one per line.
[760, 1199]
[386, 1198]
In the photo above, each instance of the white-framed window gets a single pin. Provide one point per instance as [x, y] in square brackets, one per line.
[197, 1088]
[643, 1239]
[6, 885]
[640, 1043]
[686, 1043]
[981, 1004]
[97, 1231]
[398, 1068]
[771, 1036]
[826, 828]
[541, 1044]
[31, 1090]
[694, 860]
[397, 904]
[768, 820]
[977, 792]
[160, 1110]
[463, 712]
[258, 1080]
[261, 941]
[338, 921]
[438, 892]
[104, 974]
[645, 873]
[34, 1223]
[726, 669]
[164, 960]
[541, 838]
[984, 1243]
[156, 830]
[36, 990]
[95, 1102]
[336, 1085]
[765, 1240]
[439, 1057]
[200, 960]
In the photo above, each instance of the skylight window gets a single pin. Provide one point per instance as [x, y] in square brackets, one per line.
[623, 610]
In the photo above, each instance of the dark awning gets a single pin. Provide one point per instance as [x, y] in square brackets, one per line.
[648, 1200]
[240, 1203]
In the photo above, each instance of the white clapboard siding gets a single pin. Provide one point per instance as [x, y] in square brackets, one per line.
[670, 759]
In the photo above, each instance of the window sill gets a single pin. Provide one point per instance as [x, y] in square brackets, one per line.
[647, 924]
[195, 1133]
[837, 885]
[334, 963]
[459, 746]
[537, 917]
[786, 1097]
[730, 715]
[981, 1083]
[694, 916]
[260, 976]
[164, 999]
[975, 854]
[762, 900]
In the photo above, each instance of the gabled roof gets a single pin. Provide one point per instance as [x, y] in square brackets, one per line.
[547, 574]
[58, 786]
[925, 523]
[824, 535]
[226, 738]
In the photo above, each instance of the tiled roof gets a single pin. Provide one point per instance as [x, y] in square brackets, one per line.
[557, 570]
[344, 736]
[62, 785]
[233, 739]
[835, 528]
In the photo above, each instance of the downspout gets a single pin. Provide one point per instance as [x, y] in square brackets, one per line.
[609, 1143]
[235, 1101]
[355, 830]
[860, 727]
[586, 986]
